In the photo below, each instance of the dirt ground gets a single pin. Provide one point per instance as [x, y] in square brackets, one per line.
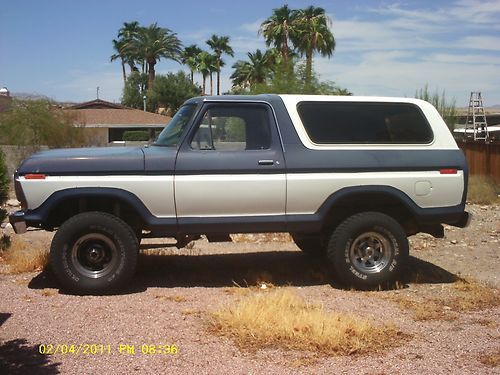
[174, 292]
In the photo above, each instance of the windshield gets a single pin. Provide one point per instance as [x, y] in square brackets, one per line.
[172, 133]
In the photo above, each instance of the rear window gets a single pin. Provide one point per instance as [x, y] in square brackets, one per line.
[355, 123]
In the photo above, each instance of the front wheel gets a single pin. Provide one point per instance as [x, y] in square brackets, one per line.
[94, 253]
[368, 250]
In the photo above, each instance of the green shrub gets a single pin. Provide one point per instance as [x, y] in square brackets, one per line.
[293, 81]
[447, 109]
[4, 184]
[171, 90]
[136, 135]
[36, 123]
[482, 190]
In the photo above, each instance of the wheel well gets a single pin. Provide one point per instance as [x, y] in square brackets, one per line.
[370, 201]
[71, 206]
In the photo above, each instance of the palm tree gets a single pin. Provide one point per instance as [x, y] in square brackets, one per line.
[213, 68]
[220, 45]
[189, 58]
[275, 56]
[152, 43]
[206, 65]
[126, 34]
[313, 34]
[118, 47]
[279, 29]
[255, 71]
[260, 64]
[241, 74]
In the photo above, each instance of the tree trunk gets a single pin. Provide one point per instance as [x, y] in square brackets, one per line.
[218, 76]
[309, 56]
[204, 85]
[132, 66]
[124, 72]
[284, 50]
[218, 83]
[151, 75]
[192, 76]
[211, 85]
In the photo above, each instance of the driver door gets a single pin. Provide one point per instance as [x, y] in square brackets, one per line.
[230, 171]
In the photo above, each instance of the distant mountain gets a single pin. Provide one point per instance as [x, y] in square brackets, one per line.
[29, 96]
[36, 96]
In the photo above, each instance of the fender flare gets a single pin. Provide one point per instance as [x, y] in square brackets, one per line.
[42, 212]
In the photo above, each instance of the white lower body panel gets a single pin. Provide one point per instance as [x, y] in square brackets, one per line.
[306, 192]
[252, 194]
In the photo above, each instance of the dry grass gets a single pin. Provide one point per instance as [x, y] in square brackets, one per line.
[487, 323]
[187, 312]
[175, 298]
[461, 296]
[483, 190]
[473, 295]
[25, 257]
[235, 290]
[48, 292]
[428, 310]
[491, 359]
[301, 359]
[23, 281]
[279, 318]
[5, 242]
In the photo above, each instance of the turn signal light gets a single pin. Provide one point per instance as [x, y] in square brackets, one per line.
[34, 176]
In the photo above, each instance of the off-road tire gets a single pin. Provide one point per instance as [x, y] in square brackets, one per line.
[94, 253]
[368, 250]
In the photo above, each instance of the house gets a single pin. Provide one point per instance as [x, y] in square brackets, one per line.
[5, 99]
[109, 121]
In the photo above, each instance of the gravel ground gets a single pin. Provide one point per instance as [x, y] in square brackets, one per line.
[172, 296]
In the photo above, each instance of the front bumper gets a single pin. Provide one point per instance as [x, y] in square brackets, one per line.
[17, 221]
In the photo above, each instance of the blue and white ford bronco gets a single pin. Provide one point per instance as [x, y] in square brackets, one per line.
[349, 177]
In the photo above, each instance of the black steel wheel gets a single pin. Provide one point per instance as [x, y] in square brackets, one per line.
[94, 253]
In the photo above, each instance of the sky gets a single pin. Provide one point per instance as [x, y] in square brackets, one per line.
[62, 48]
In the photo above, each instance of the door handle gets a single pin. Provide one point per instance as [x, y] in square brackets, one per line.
[266, 162]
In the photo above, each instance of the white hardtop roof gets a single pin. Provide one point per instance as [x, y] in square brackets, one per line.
[443, 138]
[342, 98]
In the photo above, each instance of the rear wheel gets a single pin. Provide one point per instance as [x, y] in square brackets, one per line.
[368, 250]
[94, 253]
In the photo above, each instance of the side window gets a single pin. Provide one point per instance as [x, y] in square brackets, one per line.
[233, 128]
[364, 123]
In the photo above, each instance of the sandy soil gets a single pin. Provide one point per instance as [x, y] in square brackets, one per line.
[173, 295]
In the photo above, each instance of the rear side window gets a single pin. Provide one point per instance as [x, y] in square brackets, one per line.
[355, 123]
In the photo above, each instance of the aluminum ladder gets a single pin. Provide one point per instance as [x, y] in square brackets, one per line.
[476, 118]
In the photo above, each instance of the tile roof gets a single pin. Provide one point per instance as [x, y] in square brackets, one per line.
[100, 113]
[116, 117]
[96, 103]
